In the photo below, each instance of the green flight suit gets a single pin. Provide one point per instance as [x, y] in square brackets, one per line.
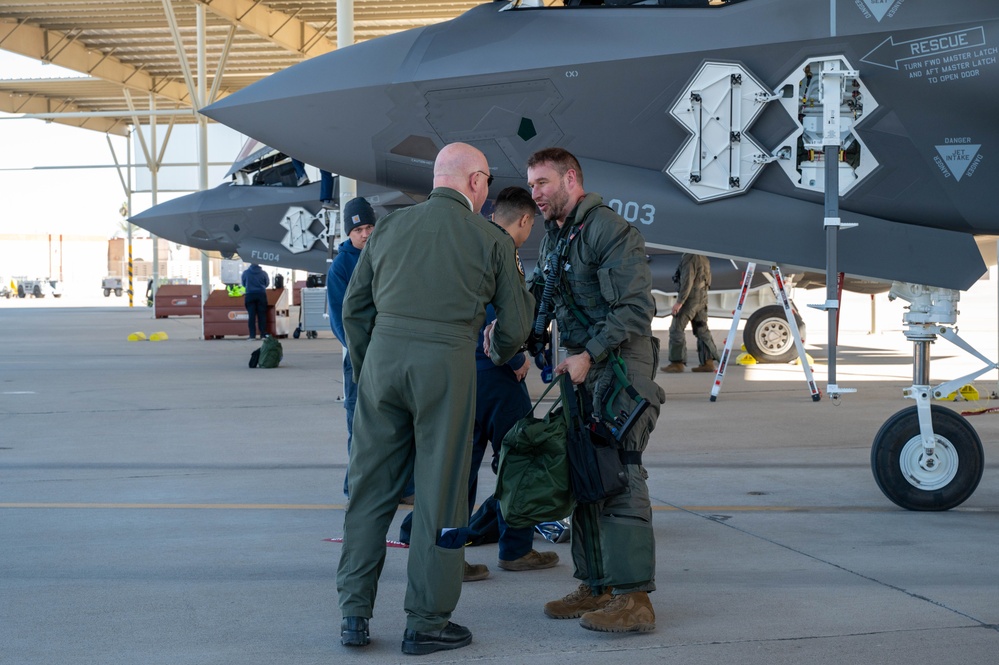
[692, 292]
[607, 274]
[412, 313]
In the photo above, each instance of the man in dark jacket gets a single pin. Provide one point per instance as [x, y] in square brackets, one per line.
[358, 222]
[502, 399]
[256, 281]
[411, 314]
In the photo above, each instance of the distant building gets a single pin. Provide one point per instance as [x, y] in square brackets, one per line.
[81, 262]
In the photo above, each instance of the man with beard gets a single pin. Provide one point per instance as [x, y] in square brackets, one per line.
[602, 301]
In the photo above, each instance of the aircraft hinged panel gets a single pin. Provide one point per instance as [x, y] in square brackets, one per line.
[299, 237]
[720, 158]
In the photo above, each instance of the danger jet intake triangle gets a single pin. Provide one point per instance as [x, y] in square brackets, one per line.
[879, 7]
[958, 157]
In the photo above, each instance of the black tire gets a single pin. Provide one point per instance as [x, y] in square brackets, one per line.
[897, 451]
[107, 292]
[768, 336]
[36, 291]
[118, 292]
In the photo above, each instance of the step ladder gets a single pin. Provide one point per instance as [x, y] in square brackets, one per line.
[785, 302]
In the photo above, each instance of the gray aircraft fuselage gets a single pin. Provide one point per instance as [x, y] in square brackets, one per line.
[245, 220]
[606, 82]
[273, 224]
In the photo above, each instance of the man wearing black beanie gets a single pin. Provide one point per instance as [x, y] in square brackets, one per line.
[358, 223]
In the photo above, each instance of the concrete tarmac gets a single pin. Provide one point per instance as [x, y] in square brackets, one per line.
[161, 503]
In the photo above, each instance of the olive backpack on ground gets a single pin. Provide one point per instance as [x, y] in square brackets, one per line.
[268, 355]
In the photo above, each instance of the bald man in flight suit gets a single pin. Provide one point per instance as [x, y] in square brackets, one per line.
[412, 314]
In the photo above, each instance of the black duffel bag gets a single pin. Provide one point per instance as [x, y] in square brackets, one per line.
[596, 471]
[532, 482]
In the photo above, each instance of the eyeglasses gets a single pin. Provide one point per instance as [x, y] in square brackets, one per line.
[489, 177]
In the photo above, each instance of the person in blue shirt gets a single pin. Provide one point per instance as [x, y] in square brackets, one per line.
[501, 399]
[256, 281]
[358, 222]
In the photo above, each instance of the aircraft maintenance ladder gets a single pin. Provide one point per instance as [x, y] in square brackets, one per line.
[792, 323]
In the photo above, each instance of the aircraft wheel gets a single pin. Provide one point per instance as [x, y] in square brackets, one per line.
[914, 482]
[768, 336]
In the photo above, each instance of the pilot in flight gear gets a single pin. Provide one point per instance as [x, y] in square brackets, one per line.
[603, 305]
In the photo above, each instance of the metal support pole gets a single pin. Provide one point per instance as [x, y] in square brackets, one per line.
[128, 205]
[154, 178]
[833, 90]
[202, 146]
[921, 362]
[831, 165]
[345, 37]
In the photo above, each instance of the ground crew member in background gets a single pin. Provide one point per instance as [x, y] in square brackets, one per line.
[691, 307]
[411, 314]
[358, 222]
[256, 281]
[605, 280]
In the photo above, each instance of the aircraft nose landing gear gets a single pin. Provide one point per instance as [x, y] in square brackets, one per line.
[916, 479]
[929, 457]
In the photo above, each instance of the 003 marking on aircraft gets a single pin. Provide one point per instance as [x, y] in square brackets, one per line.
[631, 210]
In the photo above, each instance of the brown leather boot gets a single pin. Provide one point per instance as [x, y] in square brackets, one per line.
[625, 613]
[533, 560]
[475, 572]
[577, 603]
[708, 366]
[674, 368]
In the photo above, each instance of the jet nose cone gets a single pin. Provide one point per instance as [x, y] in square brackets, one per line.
[337, 100]
[169, 219]
[194, 220]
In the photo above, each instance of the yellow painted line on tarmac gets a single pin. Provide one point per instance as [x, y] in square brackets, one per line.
[775, 509]
[340, 506]
[180, 506]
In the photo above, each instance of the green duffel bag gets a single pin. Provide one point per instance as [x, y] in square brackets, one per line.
[532, 483]
[271, 353]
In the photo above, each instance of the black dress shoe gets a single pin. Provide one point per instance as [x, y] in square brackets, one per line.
[354, 631]
[451, 636]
